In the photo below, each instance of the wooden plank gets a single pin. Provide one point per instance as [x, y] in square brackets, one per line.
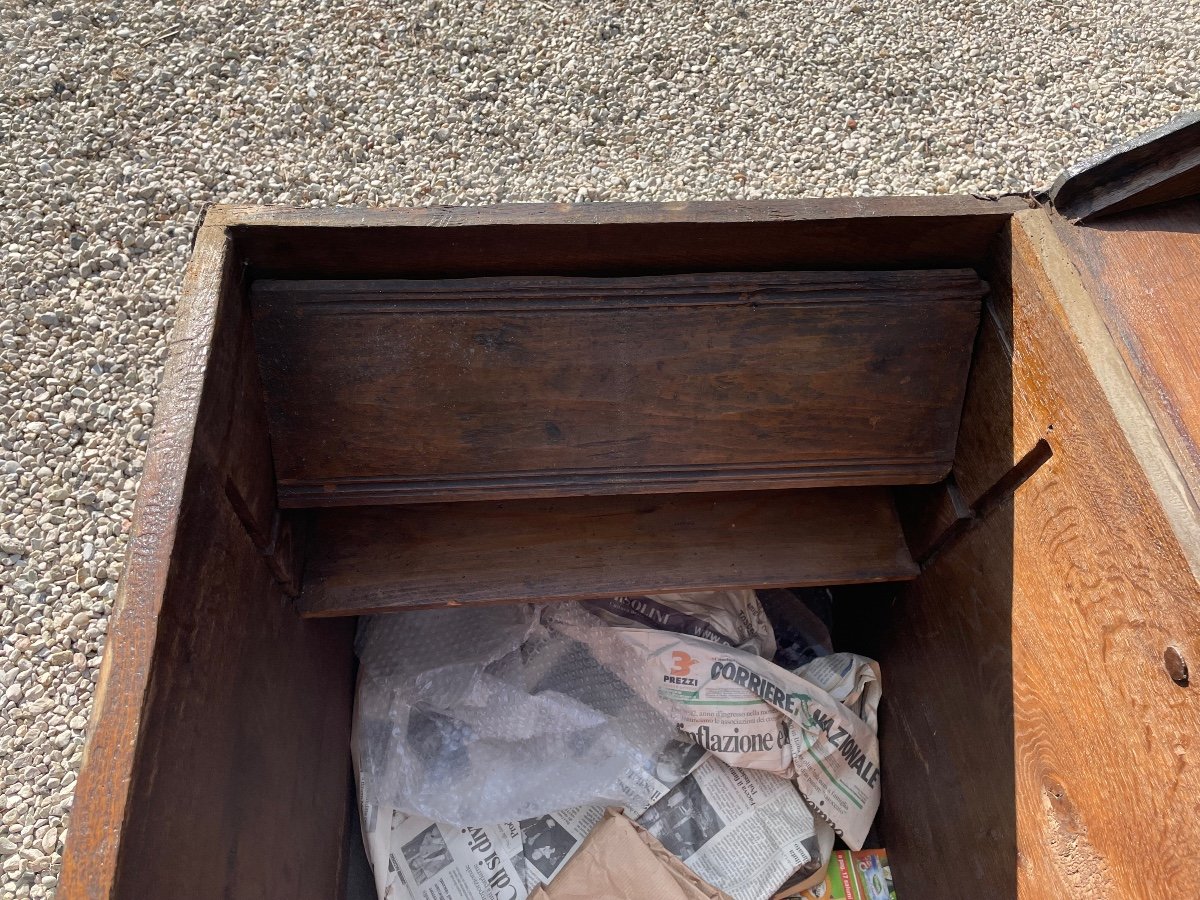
[617, 238]
[101, 796]
[489, 388]
[985, 451]
[390, 558]
[247, 728]
[1103, 586]
[1143, 269]
[949, 777]
[1157, 167]
[214, 766]
[1041, 712]
[721, 212]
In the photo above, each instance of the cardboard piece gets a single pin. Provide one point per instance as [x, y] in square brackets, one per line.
[622, 861]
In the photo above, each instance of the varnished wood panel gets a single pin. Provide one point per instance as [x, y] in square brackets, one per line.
[379, 559]
[617, 238]
[1143, 269]
[199, 778]
[1070, 592]
[411, 391]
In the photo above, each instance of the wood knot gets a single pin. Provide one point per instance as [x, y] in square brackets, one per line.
[1060, 805]
[1176, 666]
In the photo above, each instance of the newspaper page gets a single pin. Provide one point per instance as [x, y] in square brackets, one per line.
[741, 830]
[850, 679]
[734, 618]
[754, 714]
[433, 861]
[551, 840]
[543, 844]
[389, 879]
[642, 788]
[376, 823]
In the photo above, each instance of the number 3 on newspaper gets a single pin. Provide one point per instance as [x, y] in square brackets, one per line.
[682, 664]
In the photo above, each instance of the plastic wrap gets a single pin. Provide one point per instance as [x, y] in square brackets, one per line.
[497, 714]
[535, 718]
[801, 619]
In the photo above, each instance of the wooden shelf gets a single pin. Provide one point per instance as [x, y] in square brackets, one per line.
[482, 389]
[379, 559]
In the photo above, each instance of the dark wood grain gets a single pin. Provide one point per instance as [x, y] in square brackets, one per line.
[1156, 167]
[247, 728]
[932, 515]
[617, 238]
[200, 777]
[381, 559]
[429, 391]
[946, 723]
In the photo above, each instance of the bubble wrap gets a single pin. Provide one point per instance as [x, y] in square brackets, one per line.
[492, 714]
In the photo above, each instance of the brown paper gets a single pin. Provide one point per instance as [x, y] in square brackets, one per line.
[622, 861]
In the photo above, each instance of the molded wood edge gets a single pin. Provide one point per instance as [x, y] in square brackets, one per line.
[553, 293]
[541, 386]
[322, 493]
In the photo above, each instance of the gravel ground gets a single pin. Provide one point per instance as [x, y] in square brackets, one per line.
[120, 121]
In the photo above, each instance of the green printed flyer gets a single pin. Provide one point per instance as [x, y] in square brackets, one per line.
[853, 875]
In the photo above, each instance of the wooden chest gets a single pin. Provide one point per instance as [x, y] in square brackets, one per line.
[980, 419]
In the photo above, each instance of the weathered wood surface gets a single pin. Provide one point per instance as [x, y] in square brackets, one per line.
[985, 450]
[1143, 269]
[1056, 744]
[403, 391]
[617, 238]
[102, 792]
[395, 558]
[1157, 167]
[199, 778]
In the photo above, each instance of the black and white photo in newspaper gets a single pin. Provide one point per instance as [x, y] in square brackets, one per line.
[741, 830]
